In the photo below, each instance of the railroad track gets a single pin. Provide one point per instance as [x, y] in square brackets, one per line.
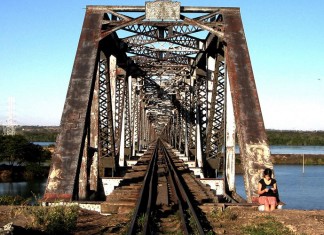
[160, 195]
[165, 205]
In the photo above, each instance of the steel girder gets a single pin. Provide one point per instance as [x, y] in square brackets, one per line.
[107, 146]
[216, 112]
[71, 144]
[156, 78]
[187, 116]
[128, 119]
[254, 148]
[192, 114]
[136, 101]
[119, 109]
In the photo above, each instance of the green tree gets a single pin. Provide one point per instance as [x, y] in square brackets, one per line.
[17, 150]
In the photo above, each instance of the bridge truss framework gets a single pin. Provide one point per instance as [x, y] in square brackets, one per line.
[179, 73]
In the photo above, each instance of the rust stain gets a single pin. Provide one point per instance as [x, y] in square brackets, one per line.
[248, 116]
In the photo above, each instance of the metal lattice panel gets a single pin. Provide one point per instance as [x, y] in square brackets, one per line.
[106, 130]
[119, 107]
[128, 126]
[202, 109]
[215, 128]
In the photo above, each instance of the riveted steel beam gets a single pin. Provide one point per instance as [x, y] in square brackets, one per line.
[185, 9]
[62, 181]
[252, 137]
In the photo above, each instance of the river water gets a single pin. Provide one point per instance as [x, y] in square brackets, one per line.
[298, 189]
[275, 149]
[26, 189]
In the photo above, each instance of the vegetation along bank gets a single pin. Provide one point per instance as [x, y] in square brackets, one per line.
[22, 159]
[275, 137]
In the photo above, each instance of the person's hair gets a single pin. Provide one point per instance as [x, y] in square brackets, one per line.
[268, 172]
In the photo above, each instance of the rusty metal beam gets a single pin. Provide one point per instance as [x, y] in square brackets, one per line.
[62, 181]
[252, 138]
[122, 25]
[200, 24]
[185, 9]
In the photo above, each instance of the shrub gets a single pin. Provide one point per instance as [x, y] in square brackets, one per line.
[13, 200]
[34, 169]
[55, 219]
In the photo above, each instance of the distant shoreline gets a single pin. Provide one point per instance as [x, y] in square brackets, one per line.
[292, 159]
[297, 159]
[19, 173]
[275, 137]
[287, 159]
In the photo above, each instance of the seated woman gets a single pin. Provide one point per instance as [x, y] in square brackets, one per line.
[267, 190]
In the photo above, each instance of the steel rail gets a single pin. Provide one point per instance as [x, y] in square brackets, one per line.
[146, 227]
[145, 202]
[183, 192]
[175, 188]
[178, 194]
[148, 182]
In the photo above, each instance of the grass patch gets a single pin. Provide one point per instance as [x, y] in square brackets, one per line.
[54, 219]
[267, 226]
[141, 221]
[227, 214]
[13, 200]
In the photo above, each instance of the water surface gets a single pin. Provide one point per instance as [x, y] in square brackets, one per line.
[303, 191]
[26, 189]
[297, 189]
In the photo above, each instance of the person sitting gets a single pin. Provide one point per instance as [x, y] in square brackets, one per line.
[267, 190]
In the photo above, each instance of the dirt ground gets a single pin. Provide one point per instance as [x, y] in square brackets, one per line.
[300, 222]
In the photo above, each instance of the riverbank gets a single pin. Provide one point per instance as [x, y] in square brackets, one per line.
[297, 159]
[22, 173]
[287, 159]
[18, 173]
[234, 220]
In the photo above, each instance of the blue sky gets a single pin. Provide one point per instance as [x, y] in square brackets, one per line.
[38, 41]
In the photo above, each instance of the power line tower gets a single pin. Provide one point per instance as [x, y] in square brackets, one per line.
[10, 126]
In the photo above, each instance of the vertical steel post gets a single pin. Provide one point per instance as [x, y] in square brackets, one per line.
[230, 142]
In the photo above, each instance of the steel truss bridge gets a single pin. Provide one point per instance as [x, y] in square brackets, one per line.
[166, 71]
